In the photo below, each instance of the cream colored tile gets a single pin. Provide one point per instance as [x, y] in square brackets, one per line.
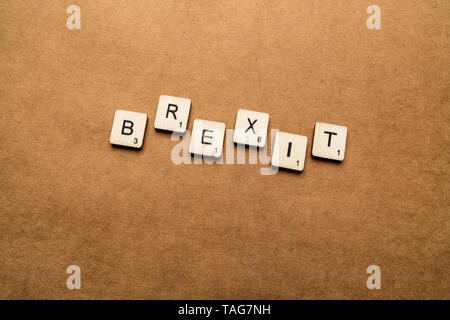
[329, 141]
[207, 138]
[289, 151]
[128, 129]
[251, 128]
[172, 114]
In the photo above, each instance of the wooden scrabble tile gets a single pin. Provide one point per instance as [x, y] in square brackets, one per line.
[207, 138]
[289, 151]
[329, 141]
[251, 128]
[128, 128]
[172, 114]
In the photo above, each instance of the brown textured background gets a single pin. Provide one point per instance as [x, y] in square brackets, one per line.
[141, 227]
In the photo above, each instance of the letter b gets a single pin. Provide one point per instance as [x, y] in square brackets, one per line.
[127, 124]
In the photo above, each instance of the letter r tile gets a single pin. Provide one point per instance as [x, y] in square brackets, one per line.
[172, 114]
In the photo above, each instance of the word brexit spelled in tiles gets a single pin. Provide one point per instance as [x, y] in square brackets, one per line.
[172, 115]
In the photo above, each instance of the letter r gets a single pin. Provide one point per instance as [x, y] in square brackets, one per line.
[172, 110]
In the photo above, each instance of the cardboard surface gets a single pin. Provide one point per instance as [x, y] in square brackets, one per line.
[140, 226]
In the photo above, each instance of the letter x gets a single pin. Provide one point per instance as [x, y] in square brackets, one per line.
[251, 125]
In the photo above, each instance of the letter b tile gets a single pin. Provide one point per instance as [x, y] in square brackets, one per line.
[128, 128]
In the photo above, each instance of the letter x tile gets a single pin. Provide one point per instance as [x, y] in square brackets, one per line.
[251, 128]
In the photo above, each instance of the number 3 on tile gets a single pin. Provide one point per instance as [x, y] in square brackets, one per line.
[135, 140]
